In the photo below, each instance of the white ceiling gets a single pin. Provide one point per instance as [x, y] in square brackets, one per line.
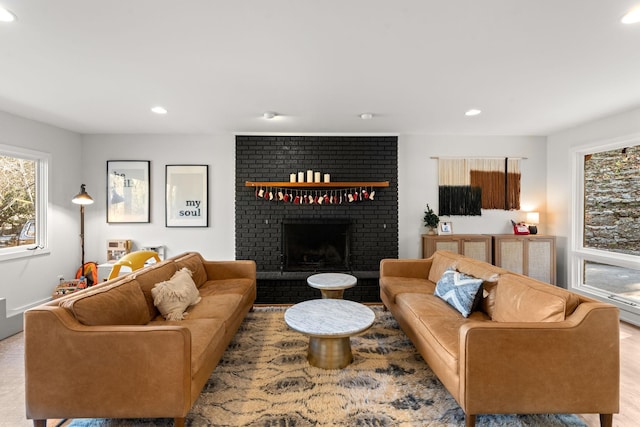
[533, 66]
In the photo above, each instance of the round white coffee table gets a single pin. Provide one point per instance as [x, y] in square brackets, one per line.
[329, 323]
[332, 285]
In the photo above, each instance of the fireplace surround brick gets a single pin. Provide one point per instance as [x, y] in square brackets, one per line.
[374, 224]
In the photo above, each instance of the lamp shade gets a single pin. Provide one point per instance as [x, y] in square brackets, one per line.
[82, 198]
[533, 218]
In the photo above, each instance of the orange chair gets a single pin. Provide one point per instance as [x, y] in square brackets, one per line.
[133, 260]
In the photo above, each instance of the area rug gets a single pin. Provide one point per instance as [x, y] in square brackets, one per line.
[264, 379]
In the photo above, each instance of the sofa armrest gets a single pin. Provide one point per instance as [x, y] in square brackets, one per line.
[220, 270]
[73, 370]
[570, 366]
[415, 268]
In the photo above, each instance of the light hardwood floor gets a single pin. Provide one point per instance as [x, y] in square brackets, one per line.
[12, 407]
[629, 380]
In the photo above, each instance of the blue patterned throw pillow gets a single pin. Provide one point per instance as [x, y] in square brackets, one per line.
[459, 290]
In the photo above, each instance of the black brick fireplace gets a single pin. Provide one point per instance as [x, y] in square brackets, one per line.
[365, 231]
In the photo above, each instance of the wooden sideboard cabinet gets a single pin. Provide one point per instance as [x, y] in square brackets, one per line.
[531, 255]
[477, 246]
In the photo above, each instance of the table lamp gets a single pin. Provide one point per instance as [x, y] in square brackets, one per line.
[533, 218]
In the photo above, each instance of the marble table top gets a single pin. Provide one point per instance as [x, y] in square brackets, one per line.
[330, 318]
[332, 281]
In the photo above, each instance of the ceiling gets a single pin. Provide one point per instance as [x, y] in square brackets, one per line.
[534, 67]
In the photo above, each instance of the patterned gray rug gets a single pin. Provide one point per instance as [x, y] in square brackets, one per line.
[264, 380]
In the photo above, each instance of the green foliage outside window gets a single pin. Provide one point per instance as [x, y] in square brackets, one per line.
[17, 201]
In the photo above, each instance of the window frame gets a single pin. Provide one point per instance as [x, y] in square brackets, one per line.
[41, 245]
[578, 253]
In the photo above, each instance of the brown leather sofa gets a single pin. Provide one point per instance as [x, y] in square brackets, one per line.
[106, 352]
[529, 347]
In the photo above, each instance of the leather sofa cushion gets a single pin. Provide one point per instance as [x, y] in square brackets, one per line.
[393, 286]
[194, 262]
[149, 277]
[442, 260]
[227, 286]
[438, 323]
[488, 303]
[215, 307]
[207, 336]
[479, 269]
[426, 306]
[122, 303]
[521, 299]
[416, 268]
[244, 287]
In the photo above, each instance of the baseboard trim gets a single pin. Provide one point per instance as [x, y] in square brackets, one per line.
[12, 323]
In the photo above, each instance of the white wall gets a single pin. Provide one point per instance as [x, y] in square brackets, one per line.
[218, 151]
[418, 183]
[559, 179]
[417, 187]
[25, 282]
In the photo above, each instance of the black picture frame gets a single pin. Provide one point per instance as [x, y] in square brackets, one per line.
[128, 191]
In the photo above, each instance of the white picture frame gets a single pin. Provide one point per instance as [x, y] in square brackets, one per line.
[445, 227]
[187, 196]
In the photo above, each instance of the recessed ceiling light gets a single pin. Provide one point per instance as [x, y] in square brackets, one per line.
[269, 115]
[366, 116]
[632, 17]
[6, 15]
[159, 110]
[472, 112]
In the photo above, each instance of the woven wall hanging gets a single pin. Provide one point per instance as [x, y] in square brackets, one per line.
[466, 186]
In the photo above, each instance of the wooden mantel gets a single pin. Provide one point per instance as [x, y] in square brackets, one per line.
[286, 184]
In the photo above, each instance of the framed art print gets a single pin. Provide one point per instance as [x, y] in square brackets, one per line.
[128, 191]
[187, 197]
[445, 227]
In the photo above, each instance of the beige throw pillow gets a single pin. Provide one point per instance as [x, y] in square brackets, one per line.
[174, 296]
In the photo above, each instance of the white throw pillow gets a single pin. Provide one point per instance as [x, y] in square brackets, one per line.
[172, 297]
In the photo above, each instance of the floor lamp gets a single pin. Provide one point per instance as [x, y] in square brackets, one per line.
[82, 198]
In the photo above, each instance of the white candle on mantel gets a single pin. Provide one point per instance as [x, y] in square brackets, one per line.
[316, 177]
[327, 177]
[292, 177]
[300, 176]
[309, 175]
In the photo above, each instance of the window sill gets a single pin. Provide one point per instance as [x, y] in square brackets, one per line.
[6, 255]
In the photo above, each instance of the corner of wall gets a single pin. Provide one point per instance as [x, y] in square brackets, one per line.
[10, 325]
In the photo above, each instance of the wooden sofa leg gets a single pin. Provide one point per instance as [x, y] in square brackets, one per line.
[39, 423]
[606, 420]
[178, 422]
[470, 420]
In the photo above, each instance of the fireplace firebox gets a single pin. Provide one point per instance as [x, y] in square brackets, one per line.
[316, 245]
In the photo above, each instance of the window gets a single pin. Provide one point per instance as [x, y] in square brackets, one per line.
[605, 260]
[23, 202]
